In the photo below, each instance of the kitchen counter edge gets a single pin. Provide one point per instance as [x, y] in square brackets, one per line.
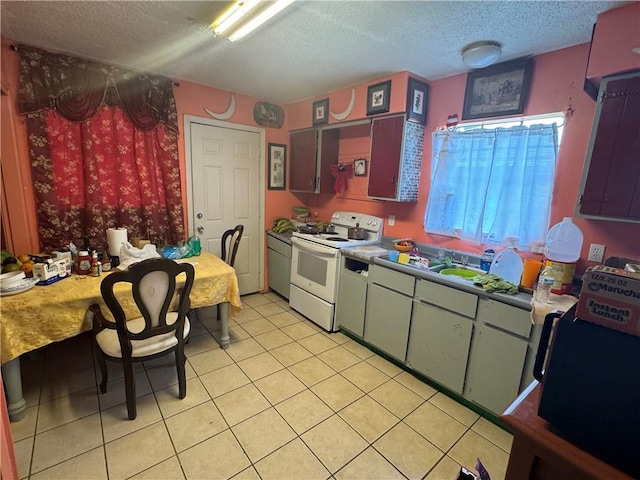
[285, 237]
[521, 300]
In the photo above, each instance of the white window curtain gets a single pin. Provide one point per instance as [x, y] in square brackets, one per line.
[493, 187]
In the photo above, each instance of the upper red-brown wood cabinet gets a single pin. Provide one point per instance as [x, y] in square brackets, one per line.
[396, 159]
[615, 36]
[312, 153]
[610, 188]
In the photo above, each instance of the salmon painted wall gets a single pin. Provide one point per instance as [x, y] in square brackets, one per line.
[556, 87]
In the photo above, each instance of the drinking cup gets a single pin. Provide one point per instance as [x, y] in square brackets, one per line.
[530, 272]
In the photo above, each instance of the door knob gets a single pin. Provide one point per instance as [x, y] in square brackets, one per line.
[199, 215]
[200, 230]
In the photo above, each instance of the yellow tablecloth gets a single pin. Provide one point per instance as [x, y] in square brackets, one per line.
[51, 313]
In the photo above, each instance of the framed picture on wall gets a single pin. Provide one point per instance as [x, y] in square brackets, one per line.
[417, 95]
[277, 166]
[321, 112]
[360, 167]
[378, 98]
[497, 91]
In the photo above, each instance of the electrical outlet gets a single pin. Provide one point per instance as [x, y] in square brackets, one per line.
[392, 220]
[596, 253]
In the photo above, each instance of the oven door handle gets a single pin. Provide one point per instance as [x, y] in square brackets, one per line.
[317, 249]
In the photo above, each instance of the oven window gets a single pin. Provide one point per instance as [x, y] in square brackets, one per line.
[313, 268]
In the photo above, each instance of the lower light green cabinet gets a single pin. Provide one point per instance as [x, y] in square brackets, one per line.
[388, 313]
[279, 262]
[439, 345]
[496, 363]
[352, 297]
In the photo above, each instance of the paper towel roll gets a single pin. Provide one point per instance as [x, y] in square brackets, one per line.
[116, 237]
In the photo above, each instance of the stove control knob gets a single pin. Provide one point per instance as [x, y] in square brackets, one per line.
[374, 223]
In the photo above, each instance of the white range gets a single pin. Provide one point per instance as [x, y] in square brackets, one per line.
[315, 265]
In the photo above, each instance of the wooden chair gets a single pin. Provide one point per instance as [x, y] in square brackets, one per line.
[230, 241]
[161, 328]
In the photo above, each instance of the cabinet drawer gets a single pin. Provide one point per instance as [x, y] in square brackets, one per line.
[457, 301]
[279, 246]
[506, 317]
[396, 281]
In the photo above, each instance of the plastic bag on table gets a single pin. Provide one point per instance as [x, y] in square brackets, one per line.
[191, 248]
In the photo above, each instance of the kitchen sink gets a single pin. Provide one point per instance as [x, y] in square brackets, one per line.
[463, 272]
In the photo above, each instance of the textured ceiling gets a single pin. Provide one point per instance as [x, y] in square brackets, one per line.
[311, 48]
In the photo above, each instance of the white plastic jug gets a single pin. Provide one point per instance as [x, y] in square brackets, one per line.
[508, 265]
[564, 242]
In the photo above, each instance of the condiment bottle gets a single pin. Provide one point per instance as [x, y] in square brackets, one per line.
[106, 262]
[95, 272]
[84, 263]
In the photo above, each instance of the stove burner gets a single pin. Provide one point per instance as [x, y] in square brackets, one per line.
[337, 239]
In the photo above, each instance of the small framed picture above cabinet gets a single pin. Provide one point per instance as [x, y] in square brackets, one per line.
[360, 167]
[321, 112]
[417, 96]
[378, 98]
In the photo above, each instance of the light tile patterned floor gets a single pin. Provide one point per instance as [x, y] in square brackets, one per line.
[286, 400]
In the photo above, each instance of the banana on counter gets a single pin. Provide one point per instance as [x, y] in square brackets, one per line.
[283, 225]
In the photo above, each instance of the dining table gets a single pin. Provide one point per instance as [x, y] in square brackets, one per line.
[45, 314]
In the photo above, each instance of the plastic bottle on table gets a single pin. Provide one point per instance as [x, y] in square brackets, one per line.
[545, 282]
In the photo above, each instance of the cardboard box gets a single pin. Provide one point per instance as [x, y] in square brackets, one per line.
[51, 271]
[611, 297]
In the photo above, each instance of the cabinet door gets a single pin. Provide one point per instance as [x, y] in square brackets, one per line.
[329, 141]
[350, 307]
[302, 164]
[279, 272]
[387, 320]
[439, 345]
[612, 185]
[386, 150]
[496, 362]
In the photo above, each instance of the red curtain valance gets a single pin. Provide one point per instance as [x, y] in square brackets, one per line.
[77, 88]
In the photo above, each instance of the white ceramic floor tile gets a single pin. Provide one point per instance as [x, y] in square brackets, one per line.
[260, 366]
[436, 426]
[195, 425]
[364, 376]
[116, 423]
[25, 427]
[262, 434]
[151, 445]
[493, 433]
[370, 419]
[170, 469]
[224, 380]
[66, 409]
[334, 442]
[279, 386]
[241, 404]
[370, 465]
[396, 398]
[170, 403]
[458, 411]
[244, 349]
[303, 411]
[209, 361]
[408, 451]
[294, 461]
[67, 441]
[472, 446]
[218, 457]
[23, 450]
[337, 392]
[90, 466]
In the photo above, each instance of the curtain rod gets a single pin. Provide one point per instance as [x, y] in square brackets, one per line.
[15, 49]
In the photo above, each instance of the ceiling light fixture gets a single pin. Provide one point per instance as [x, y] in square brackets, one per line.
[481, 54]
[232, 15]
[265, 15]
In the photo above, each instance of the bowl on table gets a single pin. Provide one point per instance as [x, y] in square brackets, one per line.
[11, 279]
[404, 246]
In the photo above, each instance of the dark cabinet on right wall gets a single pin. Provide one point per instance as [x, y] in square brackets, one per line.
[396, 159]
[610, 186]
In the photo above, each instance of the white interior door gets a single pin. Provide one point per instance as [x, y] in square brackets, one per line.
[225, 191]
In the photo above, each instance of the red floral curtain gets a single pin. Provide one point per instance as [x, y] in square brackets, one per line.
[104, 151]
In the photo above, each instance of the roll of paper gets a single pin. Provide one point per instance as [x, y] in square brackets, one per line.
[116, 237]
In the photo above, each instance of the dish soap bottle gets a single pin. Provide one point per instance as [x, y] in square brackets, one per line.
[508, 265]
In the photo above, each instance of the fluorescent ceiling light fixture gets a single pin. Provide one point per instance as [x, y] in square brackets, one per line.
[250, 26]
[232, 15]
[481, 54]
